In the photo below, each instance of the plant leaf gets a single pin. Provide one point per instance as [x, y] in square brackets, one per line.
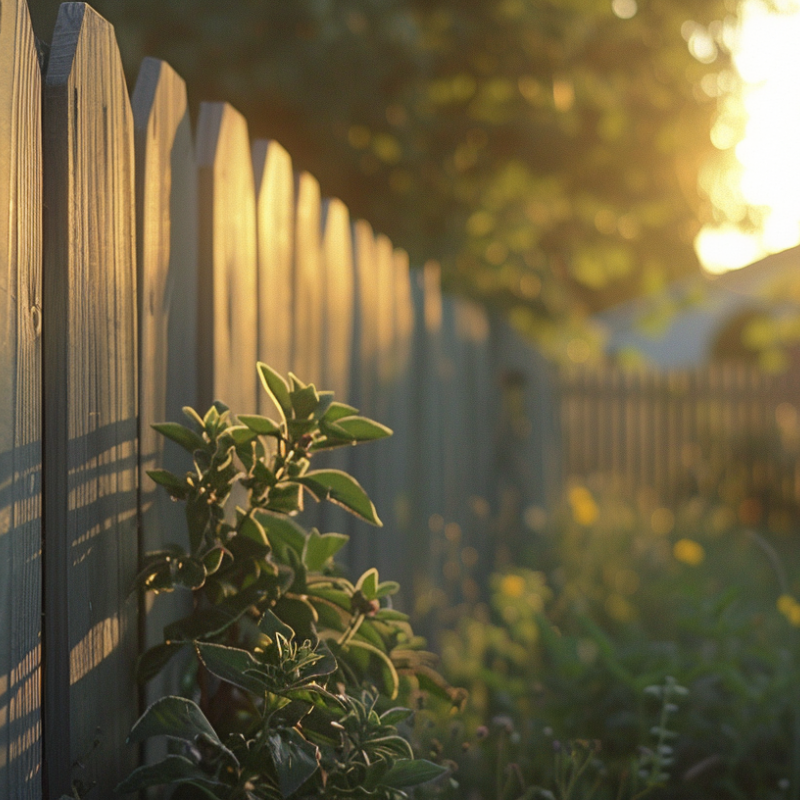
[173, 769]
[342, 489]
[361, 429]
[152, 661]
[283, 531]
[189, 572]
[212, 621]
[271, 625]
[186, 438]
[368, 584]
[388, 672]
[172, 716]
[320, 547]
[387, 588]
[294, 758]
[304, 401]
[172, 483]
[285, 498]
[263, 426]
[394, 716]
[338, 410]
[277, 388]
[412, 772]
[232, 665]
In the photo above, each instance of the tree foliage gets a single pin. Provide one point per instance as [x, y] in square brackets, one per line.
[547, 153]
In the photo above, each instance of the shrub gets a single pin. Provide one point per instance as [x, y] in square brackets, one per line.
[293, 691]
[611, 601]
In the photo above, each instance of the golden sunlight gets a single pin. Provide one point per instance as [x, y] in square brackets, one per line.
[767, 172]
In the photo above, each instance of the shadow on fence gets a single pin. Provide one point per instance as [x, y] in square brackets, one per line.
[139, 274]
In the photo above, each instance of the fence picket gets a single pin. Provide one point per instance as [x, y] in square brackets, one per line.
[166, 199]
[20, 405]
[663, 430]
[308, 282]
[337, 265]
[227, 288]
[90, 366]
[274, 178]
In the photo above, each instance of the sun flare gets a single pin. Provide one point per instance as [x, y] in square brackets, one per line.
[767, 57]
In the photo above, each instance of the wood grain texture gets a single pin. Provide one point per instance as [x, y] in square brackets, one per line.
[426, 486]
[166, 246]
[363, 394]
[90, 368]
[307, 313]
[380, 470]
[364, 317]
[20, 406]
[397, 514]
[385, 366]
[274, 181]
[337, 260]
[227, 289]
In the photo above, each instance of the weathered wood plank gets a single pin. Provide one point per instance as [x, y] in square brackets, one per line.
[90, 370]
[364, 317]
[384, 322]
[426, 461]
[383, 472]
[20, 405]
[337, 259]
[363, 381]
[227, 286]
[272, 167]
[308, 283]
[394, 458]
[166, 246]
[337, 336]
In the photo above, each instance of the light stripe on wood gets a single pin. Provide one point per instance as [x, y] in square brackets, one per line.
[308, 287]
[227, 287]
[272, 167]
[20, 405]
[364, 317]
[337, 259]
[385, 321]
[90, 368]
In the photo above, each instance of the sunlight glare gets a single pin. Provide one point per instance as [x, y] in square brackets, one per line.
[767, 57]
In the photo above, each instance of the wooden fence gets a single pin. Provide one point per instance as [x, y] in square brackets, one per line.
[727, 429]
[142, 270]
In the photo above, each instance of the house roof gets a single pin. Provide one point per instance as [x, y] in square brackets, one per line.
[678, 327]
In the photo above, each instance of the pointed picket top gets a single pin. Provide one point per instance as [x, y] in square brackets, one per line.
[274, 180]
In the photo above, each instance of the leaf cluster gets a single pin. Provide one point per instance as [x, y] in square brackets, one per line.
[295, 665]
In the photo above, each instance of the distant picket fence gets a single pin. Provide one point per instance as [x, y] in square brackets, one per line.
[143, 269]
[680, 433]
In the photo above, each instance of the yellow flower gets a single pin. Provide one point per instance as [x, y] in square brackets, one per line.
[687, 551]
[584, 507]
[512, 586]
[790, 609]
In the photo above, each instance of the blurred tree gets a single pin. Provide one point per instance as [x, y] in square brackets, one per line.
[547, 153]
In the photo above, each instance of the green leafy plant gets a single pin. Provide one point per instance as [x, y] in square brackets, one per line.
[291, 691]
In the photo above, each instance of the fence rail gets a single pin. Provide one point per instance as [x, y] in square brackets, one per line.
[167, 272]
